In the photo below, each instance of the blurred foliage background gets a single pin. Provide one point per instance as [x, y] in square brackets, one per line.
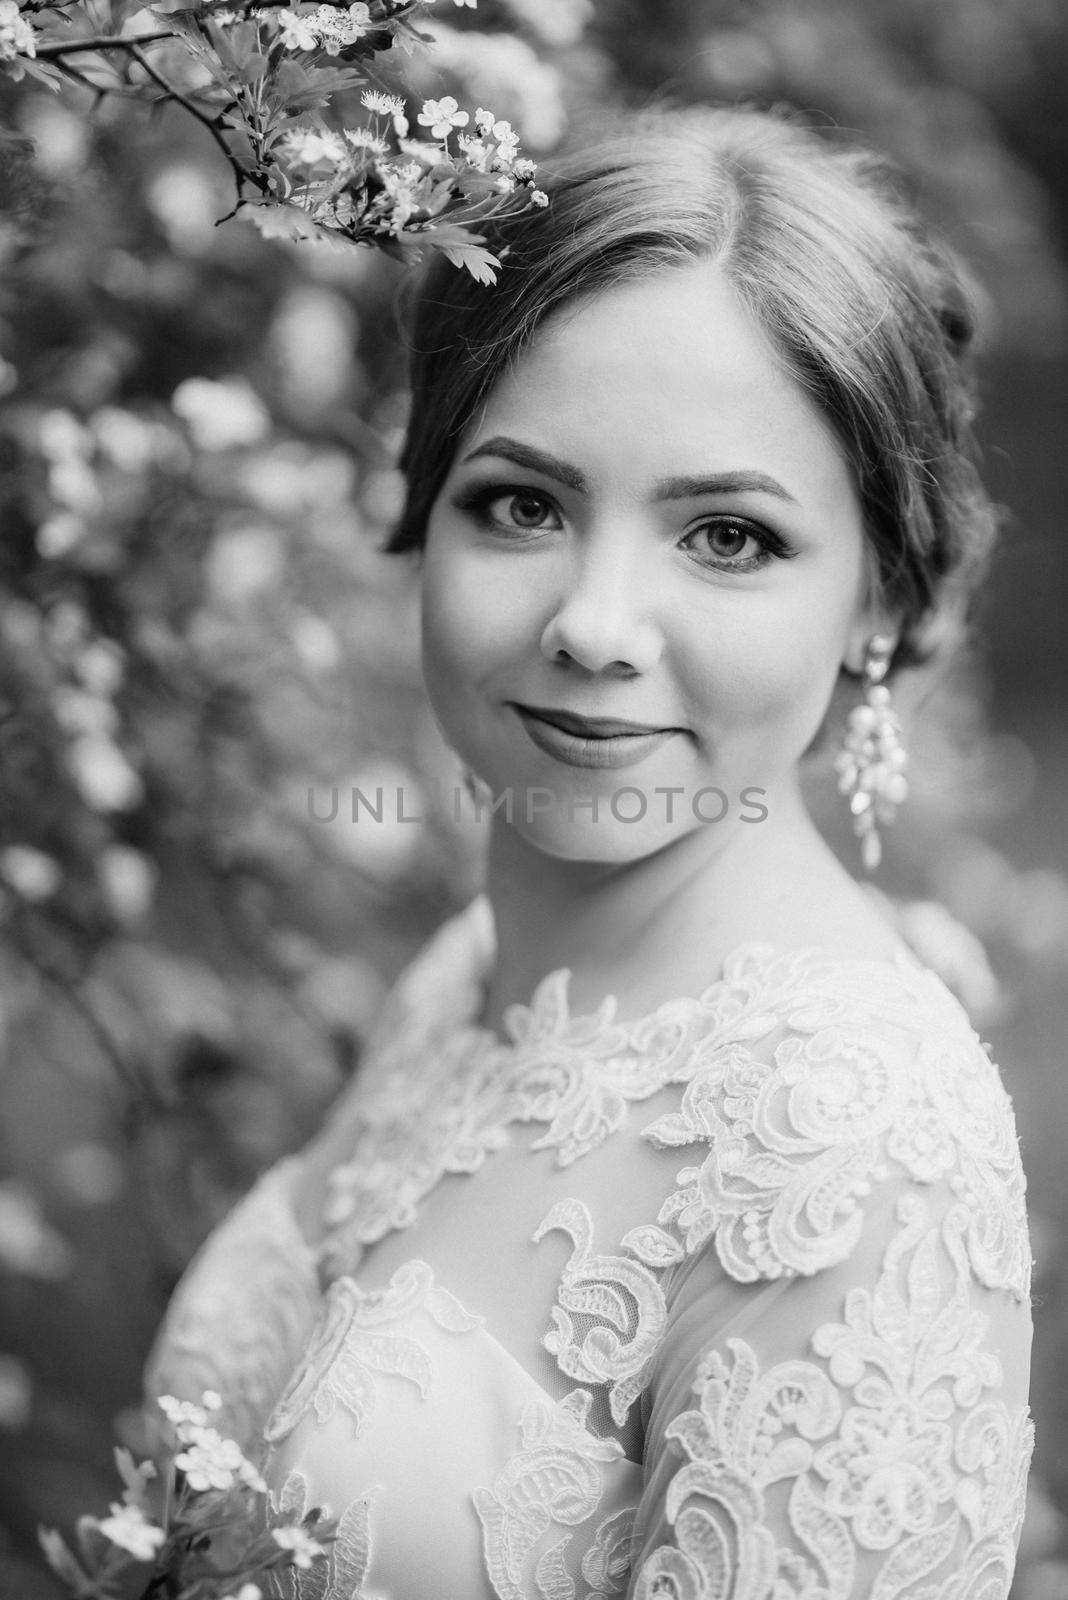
[199, 641]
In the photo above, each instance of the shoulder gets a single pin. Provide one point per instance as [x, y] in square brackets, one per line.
[820, 1084]
[441, 986]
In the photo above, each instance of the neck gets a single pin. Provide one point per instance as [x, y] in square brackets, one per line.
[637, 922]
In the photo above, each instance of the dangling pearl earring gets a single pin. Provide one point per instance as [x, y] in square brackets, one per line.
[871, 764]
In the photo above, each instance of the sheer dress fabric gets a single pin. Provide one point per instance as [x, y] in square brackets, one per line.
[729, 1301]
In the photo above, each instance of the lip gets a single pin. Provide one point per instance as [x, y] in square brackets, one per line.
[591, 727]
[604, 742]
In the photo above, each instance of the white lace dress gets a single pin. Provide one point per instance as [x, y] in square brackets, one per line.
[729, 1302]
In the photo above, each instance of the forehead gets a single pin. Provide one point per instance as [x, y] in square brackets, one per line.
[672, 366]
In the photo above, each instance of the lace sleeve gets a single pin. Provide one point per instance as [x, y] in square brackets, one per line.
[857, 1434]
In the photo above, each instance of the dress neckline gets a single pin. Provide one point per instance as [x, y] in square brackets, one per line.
[549, 1002]
[461, 1085]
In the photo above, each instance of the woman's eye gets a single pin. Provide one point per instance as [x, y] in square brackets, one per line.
[730, 542]
[511, 510]
[525, 509]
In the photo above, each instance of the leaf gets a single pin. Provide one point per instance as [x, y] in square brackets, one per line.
[135, 1477]
[478, 262]
[288, 222]
[406, 35]
[276, 221]
[296, 87]
[253, 68]
[41, 70]
[443, 233]
[61, 1560]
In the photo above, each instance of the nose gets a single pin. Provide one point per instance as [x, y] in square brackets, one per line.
[602, 620]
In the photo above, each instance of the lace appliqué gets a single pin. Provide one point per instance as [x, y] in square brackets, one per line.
[579, 1074]
[353, 1342]
[553, 1481]
[797, 1143]
[443, 1118]
[342, 1576]
[893, 1448]
[620, 1293]
[441, 1109]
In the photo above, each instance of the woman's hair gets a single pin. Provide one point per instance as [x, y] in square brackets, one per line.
[874, 316]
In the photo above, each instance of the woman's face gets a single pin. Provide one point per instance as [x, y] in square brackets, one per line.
[650, 523]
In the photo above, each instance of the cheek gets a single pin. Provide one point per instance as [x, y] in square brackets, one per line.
[772, 668]
[470, 625]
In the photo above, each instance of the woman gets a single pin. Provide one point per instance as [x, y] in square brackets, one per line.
[672, 1239]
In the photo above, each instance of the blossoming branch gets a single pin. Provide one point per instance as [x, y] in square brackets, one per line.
[271, 85]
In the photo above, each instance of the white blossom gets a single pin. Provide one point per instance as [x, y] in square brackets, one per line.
[180, 1412]
[386, 105]
[210, 1462]
[130, 1529]
[307, 147]
[502, 68]
[441, 116]
[475, 152]
[364, 139]
[398, 184]
[303, 1546]
[338, 28]
[538, 197]
[297, 30]
[17, 37]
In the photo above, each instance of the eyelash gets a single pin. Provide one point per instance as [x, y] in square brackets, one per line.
[477, 502]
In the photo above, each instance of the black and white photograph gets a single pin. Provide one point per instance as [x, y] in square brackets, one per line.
[533, 780]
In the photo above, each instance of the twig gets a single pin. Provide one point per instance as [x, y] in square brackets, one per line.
[211, 123]
[133, 48]
[98, 88]
[46, 52]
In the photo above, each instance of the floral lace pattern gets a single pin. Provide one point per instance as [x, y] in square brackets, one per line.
[624, 1298]
[795, 1145]
[873, 1454]
[420, 1129]
[554, 1480]
[342, 1577]
[353, 1341]
[897, 1445]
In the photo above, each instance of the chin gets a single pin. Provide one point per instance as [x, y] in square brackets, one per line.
[606, 842]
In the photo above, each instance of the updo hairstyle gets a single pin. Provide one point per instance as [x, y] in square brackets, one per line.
[874, 316]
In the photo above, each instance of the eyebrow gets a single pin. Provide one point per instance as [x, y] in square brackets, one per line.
[686, 488]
